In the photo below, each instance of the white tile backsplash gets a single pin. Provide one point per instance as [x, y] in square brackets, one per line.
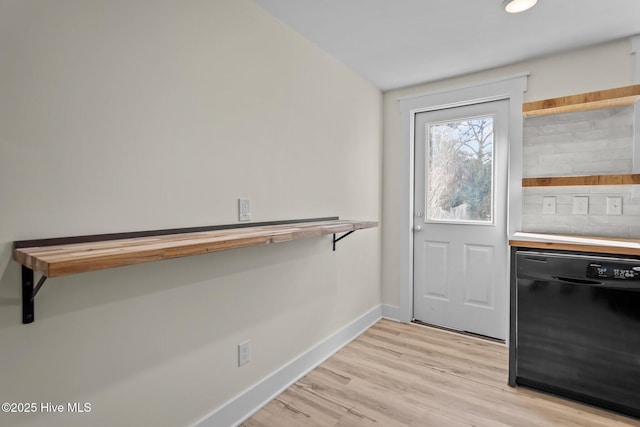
[595, 223]
[601, 167]
[595, 142]
[564, 127]
[602, 135]
[579, 143]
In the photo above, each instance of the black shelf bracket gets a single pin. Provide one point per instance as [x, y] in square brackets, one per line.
[29, 292]
[340, 238]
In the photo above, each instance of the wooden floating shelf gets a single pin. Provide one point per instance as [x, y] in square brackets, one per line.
[61, 260]
[72, 255]
[610, 98]
[559, 181]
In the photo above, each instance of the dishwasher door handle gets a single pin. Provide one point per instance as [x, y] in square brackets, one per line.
[578, 281]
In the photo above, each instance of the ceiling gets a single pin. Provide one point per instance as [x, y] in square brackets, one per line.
[398, 43]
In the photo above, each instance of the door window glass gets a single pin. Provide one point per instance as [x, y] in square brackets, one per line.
[459, 172]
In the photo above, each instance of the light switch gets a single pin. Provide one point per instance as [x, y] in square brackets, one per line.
[549, 205]
[580, 205]
[614, 205]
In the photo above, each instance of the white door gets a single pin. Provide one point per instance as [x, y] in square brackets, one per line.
[460, 237]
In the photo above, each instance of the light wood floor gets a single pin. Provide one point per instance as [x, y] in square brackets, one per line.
[411, 375]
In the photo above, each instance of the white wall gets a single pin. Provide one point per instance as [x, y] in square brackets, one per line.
[598, 67]
[146, 114]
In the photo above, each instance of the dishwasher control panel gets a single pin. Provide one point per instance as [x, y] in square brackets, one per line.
[613, 271]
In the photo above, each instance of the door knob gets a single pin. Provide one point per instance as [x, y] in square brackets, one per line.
[418, 228]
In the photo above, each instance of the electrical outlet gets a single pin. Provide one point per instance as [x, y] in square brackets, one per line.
[244, 352]
[580, 205]
[614, 205]
[244, 210]
[548, 205]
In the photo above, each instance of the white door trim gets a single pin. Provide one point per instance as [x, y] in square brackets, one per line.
[511, 88]
[635, 50]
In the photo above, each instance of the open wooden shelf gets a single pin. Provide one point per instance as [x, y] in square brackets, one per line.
[558, 181]
[70, 255]
[609, 98]
[62, 259]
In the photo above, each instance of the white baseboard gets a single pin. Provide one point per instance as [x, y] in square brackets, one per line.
[247, 403]
[391, 312]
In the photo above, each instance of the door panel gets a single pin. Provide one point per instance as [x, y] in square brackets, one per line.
[478, 279]
[435, 261]
[460, 242]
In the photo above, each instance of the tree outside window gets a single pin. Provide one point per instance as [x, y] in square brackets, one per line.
[460, 170]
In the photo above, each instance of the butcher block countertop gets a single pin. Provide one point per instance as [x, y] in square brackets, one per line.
[62, 259]
[607, 245]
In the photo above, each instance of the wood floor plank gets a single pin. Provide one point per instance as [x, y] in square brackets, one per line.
[415, 376]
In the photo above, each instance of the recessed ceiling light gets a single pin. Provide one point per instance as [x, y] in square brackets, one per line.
[516, 6]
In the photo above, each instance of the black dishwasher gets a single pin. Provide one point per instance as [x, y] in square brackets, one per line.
[578, 327]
